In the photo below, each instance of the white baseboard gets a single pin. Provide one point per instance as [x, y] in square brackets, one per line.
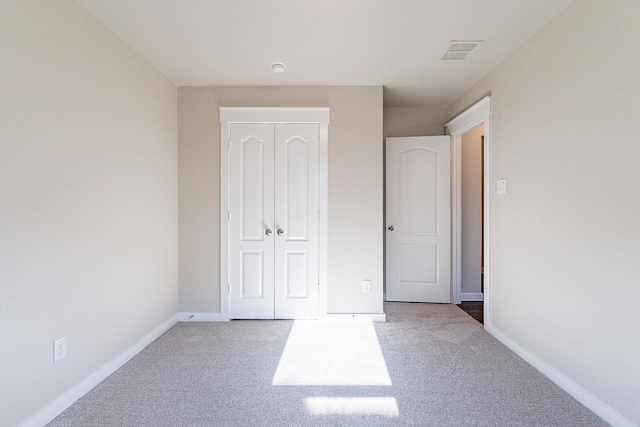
[202, 317]
[373, 317]
[218, 317]
[597, 406]
[467, 296]
[59, 405]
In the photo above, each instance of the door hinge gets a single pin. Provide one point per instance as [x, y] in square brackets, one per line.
[228, 287]
[228, 215]
[228, 144]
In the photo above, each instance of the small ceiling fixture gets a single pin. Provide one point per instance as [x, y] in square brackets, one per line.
[459, 49]
[278, 67]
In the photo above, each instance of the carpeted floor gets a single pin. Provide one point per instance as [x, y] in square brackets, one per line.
[429, 365]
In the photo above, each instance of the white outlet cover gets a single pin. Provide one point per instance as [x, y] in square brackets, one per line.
[366, 286]
[59, 349]
[502, 186]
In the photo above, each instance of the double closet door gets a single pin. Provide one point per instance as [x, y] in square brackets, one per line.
[273, 220]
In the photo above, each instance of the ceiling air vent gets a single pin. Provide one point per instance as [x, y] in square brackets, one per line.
[459, 49]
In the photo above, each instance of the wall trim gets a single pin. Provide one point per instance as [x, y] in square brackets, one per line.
[471, 117]
[219, 317]
[372, 317]
[468, 296]
[59, 405]
[202, 317]
[596, 405]
[274, 115]
[476, 115]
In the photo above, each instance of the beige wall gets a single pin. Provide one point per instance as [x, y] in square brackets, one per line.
[565, 239]
[355, 189]
[471, 251]
[414, 121]
[88, 201]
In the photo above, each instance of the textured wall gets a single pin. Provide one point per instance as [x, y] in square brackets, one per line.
[355, 189]
[414, 121]
[565, 238]
[88, 201]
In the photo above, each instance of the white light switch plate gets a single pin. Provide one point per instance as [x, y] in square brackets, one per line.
[502, 186]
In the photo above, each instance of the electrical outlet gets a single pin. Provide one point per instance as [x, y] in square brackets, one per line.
[366, 286]
[59, 349]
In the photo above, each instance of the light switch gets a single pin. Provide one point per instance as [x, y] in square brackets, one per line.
[502, 186]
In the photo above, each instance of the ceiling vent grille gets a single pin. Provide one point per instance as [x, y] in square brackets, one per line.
[459, 49]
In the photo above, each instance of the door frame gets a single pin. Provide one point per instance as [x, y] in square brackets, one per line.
[230, 115]
[476, 115]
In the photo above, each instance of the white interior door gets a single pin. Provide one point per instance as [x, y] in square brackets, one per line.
[274, 226]
[418, 219]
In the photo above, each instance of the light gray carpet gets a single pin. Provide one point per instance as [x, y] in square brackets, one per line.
[429, 365]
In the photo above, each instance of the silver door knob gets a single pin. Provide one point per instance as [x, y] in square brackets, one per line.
[391, 228]
[280, 232]
[268, 232]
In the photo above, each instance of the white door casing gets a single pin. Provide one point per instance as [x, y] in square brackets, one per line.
[418, 219]
[476, 115]
[273, 195]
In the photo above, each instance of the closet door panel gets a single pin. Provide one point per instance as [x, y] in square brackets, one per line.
[251, 224]
[296, 219]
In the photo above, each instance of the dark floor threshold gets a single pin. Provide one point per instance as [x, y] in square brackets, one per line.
[474, 309]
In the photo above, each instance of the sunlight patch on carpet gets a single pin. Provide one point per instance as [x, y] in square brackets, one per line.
[332, 353]
[378, 406]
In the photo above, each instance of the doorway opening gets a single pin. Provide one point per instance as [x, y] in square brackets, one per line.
[472, 228]
[474, 122]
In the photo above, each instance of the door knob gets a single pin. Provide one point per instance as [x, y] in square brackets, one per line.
[280, 232]
[391, 228]
[268, 232]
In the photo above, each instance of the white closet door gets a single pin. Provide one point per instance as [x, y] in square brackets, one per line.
[296, 220]
[274, 225]
[251, 234]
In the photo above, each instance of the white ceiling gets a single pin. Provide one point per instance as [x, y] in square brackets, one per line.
[395, 43]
